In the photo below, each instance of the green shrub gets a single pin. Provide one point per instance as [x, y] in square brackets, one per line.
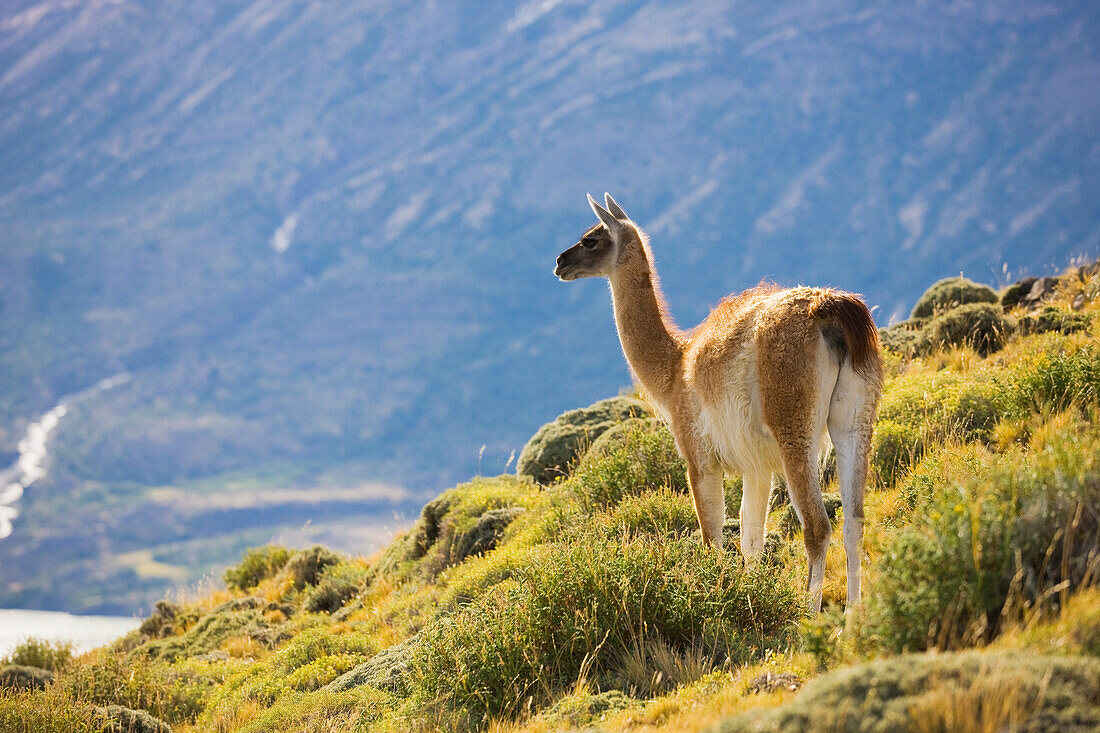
[388, 670]
[662, 512]
[352, 711]
[1054, 320]
[337, 585]
[1053, 381]
[981, 326]
[938, 469]
[485, 533]
[1015, 293]
[896, 447]
[950, 293]
[584, 607]
[238, 617]
[167, 619]
[921, 410]
[466, 520]
[579, 710]
[21, 677]
[318, 642]
[554, 449]
[905, 338]
[635, 457]
[49, 655]
[305, 567]
[976, 691]
[979, 552]
[258, 564]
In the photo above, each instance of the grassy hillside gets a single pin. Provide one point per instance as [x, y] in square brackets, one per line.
[588, 600]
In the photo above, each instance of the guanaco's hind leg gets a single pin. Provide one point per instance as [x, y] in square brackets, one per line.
[805, 487]
[794, 365]
[851, 422]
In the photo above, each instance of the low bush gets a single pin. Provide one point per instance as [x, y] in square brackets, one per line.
[554, 449]
[461, 522]
[241, 617]
[922, 409]
[585, 708]
[1053, 380]
[388, 670]
[973, 691]
[352, 711]
[304, 568]
[119, 719]
[897, 446]
[979, 552]
[581, 610]
[905, 338]
[950, 293]
[258, 564]
[1015, 293]
[20, 677]
[48, 655]
[980, 326]
[636, 457]
[664, 512]
[1054, 320]
[337, 585]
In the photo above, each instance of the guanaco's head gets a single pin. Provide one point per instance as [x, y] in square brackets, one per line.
[601, 247]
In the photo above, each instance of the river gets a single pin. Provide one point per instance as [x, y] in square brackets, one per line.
[85, 632]
[31, 464]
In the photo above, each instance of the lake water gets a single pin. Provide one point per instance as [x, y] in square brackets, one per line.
[85, 632]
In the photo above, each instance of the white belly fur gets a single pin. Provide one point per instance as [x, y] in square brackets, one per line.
[733, 430]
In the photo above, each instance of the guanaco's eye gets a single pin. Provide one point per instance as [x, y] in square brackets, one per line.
[588, 243]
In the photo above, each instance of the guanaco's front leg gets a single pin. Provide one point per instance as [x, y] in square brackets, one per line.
[710, 502]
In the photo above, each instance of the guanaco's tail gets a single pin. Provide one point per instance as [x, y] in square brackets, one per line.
[860, 332]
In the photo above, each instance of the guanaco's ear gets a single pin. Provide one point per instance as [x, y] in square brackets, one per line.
[614, 208]
[613, 225]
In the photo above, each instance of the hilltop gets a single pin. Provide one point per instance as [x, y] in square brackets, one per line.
[319, 237]
[575, 592]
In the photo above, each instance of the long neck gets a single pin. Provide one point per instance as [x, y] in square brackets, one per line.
[652, 343]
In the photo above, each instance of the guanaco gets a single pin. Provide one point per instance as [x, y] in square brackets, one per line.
[758, 388]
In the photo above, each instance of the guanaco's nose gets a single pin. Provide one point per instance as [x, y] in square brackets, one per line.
[560, 258]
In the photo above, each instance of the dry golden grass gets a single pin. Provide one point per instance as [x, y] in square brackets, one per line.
[995, 700]
[244, 647]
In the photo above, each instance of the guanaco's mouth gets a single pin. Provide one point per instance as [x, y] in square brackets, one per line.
[565, 273]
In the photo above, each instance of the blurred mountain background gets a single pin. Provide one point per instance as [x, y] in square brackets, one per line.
[314, 241]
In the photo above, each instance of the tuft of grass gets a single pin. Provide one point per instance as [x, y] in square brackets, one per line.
[452, 527]
[1053, 379]
[175, 694]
